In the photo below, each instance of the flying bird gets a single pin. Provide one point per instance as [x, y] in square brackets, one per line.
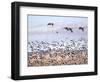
[81, 28]
[52, 24]
[68, 29]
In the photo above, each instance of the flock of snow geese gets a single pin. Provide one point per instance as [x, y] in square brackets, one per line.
[43, 46]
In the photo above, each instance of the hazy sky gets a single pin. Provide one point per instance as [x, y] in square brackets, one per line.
[39, 30]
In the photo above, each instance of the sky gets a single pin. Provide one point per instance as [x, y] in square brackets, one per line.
[39, 30]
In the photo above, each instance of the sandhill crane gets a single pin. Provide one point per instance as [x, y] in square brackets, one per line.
[68, 29]
[52, 24]
[81, 28]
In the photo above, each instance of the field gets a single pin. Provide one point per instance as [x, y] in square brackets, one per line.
[62, 54]
[57, 59]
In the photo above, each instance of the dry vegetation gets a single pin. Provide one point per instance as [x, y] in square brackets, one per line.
[57, 58]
